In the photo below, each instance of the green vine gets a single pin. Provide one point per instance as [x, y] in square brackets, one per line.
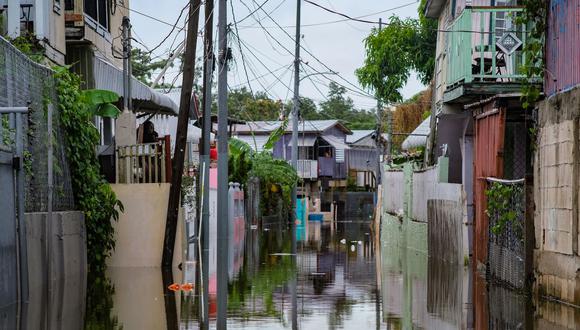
[500, 205]
[93, 195]
[28, 44]
[534, 16]
[277, 177]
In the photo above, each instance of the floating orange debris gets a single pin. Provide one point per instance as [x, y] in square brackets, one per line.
[174, 287]
[187, 286]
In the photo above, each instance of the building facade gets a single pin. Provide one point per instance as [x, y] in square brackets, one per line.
[481, 126]
[556, 162]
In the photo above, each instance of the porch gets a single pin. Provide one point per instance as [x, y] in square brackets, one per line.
[485, 53]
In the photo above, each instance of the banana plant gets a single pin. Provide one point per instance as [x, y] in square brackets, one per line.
[101, 102]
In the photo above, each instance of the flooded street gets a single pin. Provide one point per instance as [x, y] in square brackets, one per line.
[341, 279]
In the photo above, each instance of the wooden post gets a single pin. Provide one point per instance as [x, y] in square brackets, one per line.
[181, 136]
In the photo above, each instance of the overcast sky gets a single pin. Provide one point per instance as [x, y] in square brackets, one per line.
[340, 45]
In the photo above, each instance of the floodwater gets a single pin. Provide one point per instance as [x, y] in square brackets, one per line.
[341, 278]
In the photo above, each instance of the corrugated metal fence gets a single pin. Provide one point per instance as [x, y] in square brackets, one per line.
[489, 141]
[562, 46]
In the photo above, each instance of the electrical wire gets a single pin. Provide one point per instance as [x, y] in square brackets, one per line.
[250, 14]
[349, 18]
[239, 42]
[341, 20]
[360, 91]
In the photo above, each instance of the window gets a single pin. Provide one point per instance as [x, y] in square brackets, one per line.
[99, 11]
[69, 4]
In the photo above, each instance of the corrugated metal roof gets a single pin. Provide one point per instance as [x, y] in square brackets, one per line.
[257, 142]
[309, 126]
[336, 142]
[109, 77]
[306, 141]
[419, 135]
[358, 135]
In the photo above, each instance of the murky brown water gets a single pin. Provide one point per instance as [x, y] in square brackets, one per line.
[342, 279]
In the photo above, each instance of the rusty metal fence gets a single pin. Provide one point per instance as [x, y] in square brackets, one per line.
[506, 245]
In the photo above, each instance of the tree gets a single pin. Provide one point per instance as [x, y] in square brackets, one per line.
[244, 105]
[409, 115]
[392, 53]
[143, 66]
[308, 109]
[338, 106]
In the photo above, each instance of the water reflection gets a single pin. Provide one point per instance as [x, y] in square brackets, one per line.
[340, 278]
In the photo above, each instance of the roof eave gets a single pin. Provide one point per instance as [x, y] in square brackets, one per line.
[434, 8]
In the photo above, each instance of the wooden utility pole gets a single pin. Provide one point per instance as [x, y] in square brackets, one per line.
[181, 135]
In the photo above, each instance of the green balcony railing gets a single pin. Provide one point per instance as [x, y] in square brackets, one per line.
[486, 45]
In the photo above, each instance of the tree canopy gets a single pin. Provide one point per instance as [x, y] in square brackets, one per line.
[244, 105]
[143, 65]
[402, 46]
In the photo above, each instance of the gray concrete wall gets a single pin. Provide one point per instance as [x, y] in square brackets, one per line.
[556, 185]
[429, 210]
[64, 299]
[393, 188]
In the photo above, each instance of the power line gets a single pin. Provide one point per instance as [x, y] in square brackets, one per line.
[172, 29]
[250, 14]
[265, 66]
[147, 15]
[360, 91]
[340, 14]
[355, 19]
[264, 75]
[240, 46]
[341, 20]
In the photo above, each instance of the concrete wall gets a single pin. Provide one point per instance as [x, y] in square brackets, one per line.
[65, 302]
[140, 231]
[429, 210]
[556, 184]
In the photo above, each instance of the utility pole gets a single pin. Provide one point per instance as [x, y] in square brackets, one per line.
[388, 119]
[181, 134]
[223, 187]
[204, 172]
[126, 64]
[378, 132]
[295, 111]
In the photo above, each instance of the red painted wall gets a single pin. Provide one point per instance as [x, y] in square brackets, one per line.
[489, 142]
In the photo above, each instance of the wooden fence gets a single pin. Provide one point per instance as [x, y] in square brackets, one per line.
[143, 163]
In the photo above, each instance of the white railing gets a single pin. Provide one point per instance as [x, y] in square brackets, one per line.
[141, 163]
[307, 169]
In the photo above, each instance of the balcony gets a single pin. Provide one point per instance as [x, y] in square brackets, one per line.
[484, 53]
[308, 169]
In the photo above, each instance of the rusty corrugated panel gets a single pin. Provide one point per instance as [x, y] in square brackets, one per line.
[489, 141]
[562, 46]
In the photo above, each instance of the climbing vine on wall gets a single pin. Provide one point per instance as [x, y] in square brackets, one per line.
[535, 17]
[93, 195]
[503, 206]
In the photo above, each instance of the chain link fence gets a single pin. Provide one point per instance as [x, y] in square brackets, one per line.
[506, 245]
[24, 83]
